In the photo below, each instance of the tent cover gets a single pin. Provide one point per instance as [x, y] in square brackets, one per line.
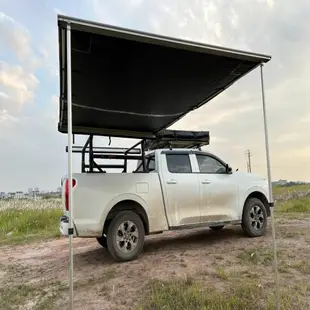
[134, 84]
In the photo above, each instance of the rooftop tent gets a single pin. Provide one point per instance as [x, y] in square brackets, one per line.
[133, 84]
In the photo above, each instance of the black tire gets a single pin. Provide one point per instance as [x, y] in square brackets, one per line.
[217, 227]
[102, 241]
[134, 237]
[254, 218]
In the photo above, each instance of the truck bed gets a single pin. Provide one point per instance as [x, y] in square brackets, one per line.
[94, 195]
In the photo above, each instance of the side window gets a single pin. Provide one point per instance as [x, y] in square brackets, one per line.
[151, 163]
[209, 164]
[178, 163]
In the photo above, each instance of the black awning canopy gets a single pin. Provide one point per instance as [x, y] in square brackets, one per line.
[132, 84]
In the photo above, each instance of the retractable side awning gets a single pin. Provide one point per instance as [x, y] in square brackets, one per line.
[128, 83]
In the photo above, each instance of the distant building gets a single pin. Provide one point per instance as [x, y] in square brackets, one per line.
[32, 193]
[19, 195]
[280, 182]
[10, 195]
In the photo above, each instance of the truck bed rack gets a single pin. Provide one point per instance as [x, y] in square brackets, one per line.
[114, 153]
[166, 139]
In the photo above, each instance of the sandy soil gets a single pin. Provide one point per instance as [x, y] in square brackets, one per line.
[100, 283]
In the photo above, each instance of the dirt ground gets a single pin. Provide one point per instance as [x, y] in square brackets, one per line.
[100, 283]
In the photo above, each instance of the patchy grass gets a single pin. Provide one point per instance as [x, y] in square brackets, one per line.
[256, 256]
[21, 225]
[221, 273]
[46, 295]
[285, 233]
[30, 204]
[15, 296]
[284, 267]
[27, 296]
[282, 190]
[302, 266]
[240, 295]
[301, 205]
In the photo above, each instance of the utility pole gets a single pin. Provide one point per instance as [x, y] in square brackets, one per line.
[249, 166]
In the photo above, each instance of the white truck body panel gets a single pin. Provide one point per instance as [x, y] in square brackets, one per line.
[94, 195]
[171, 200]
[181, 193]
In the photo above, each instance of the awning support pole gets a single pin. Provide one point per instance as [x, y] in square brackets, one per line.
[69, 107]
[275, 262]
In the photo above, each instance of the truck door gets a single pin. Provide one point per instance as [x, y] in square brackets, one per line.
[218, 190]
[180, 188]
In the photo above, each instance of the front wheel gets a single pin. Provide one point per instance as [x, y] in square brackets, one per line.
[125, 237]
[254, 218]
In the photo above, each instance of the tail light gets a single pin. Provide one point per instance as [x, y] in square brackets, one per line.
[67, 192]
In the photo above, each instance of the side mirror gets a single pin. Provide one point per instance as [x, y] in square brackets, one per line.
[228, 169]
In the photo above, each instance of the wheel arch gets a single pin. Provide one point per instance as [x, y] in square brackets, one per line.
[262, 197]
[127, 205]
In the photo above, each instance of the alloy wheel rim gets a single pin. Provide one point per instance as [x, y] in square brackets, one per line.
[127, 236]
[257, 218]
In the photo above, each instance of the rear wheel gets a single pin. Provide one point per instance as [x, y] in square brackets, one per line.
[254, 218]
[217, 227]
[102, 241]
[125, 237]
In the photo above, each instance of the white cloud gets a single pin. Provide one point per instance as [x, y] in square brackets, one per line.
[218, 140]
[290, 137]
[270, 3]
[305, 119]
[58, 11]
[18, 80]
[20, 87]
[53, 112]
[5, 116]
[135, 2]
[3, 96]
[301, 154]
[16, 37]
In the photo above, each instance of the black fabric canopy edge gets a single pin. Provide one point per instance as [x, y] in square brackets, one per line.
[119, 32]
[253, 60]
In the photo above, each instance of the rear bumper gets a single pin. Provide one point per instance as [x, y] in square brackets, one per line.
[64, 226]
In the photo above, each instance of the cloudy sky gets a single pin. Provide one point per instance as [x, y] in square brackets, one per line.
[32, 150]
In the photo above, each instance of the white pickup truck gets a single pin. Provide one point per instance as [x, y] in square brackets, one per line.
[183, 189]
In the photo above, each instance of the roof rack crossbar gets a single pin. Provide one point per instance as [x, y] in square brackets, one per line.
[114, 166]
[104, 150]
[133, 147]
[118, 156]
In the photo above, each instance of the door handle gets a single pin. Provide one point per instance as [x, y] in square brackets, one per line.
[172, 181]
[205, 182]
